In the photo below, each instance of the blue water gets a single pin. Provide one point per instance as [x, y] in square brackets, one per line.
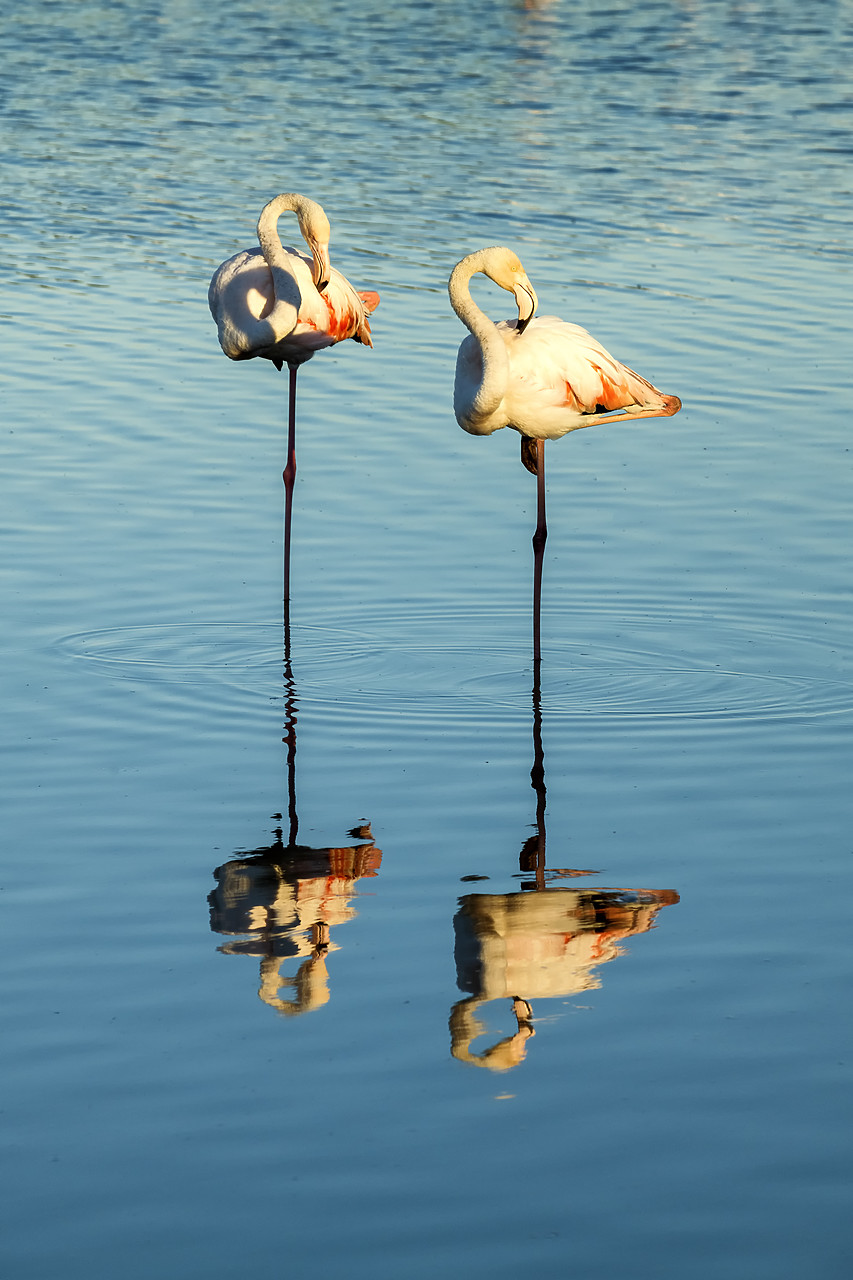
[259, 994]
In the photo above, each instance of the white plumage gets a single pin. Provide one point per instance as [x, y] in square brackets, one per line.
[275, 302]
[282, 305]
[541, 376]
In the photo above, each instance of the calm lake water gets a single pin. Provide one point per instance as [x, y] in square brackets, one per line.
[378, 965]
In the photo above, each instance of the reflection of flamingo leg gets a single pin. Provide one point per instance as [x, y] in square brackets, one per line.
[289, 478]
[539, 539]
[290, 728]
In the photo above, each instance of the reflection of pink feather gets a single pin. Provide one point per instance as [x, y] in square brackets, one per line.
[548, 943]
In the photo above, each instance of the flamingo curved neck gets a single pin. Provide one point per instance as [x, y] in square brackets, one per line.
[492, 348]
[268, 236]
[287, 297]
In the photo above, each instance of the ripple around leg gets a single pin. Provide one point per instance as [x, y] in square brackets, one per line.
[688, 663]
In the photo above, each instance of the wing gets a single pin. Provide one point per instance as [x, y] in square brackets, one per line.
[348, 310]
[339, 312]
[242, 296]
[561, 377]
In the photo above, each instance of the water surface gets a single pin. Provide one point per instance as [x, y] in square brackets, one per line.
[376, 961]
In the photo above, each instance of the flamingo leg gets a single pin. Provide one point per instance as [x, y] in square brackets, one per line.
[289, 478]
[537, 781]
[289, 739]
[539, 538]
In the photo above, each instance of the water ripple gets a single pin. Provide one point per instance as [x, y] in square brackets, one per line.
[682, 665]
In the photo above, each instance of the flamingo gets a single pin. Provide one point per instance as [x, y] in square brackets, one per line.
[543, 377]
[280, 304]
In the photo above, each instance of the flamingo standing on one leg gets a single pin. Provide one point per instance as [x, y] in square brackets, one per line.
[543, 377]
[282, 305]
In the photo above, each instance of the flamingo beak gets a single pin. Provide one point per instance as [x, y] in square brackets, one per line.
[322, 266]
[525, 297]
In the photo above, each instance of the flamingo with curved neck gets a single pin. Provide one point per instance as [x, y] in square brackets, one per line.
[282, 305]
[542, 376]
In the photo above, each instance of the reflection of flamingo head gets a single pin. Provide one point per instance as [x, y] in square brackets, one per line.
[466, 1027]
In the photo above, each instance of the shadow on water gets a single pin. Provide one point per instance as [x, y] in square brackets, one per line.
[539, 942]
[286, 898]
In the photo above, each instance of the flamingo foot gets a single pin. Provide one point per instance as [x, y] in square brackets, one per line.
[530, 455]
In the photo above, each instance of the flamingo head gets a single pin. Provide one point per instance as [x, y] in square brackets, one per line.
[316, 231]
[322, 266]
[504, 267]
[524, 294]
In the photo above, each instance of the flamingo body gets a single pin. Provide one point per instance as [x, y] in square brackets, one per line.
[559, 378]
[280, 304]
[275, 302]
[543, 377]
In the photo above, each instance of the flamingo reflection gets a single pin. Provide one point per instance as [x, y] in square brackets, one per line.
[542, 942]
[537, 945]
[286, 898]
